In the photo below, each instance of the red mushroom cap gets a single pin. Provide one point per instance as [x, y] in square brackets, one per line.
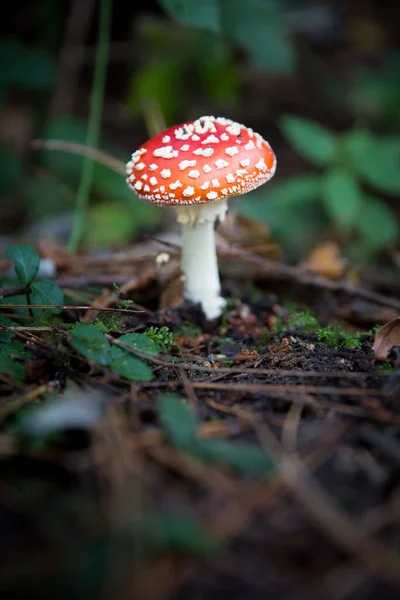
[201, 161]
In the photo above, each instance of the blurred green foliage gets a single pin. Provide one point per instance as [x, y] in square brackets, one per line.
[336, 197]
[252, 60]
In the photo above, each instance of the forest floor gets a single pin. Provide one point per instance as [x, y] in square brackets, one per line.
[261, 459]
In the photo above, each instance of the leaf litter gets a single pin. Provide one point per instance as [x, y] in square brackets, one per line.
[257, 454]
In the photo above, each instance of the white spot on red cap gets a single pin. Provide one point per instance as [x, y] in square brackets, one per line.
[175, 185]
[153, 180]
[165, 173]
[211, 139]
[195, 137]
[224, 137]
[207, 168]
[221, 163]
[188, 192]
[204, 152]
[153, 167]
[261, 165]
[140, 166]
[184, 164]
[212, 195]
[185, 147]
[230, 178]
[165, 152]
[215, 182]
[146, 188]
[138, 185]
[250, 145]
[245, 162]
[205, 185]
[166, 139]
[194, 173]
[232, 150]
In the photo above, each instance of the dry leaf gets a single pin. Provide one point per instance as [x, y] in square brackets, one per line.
[386, 338]
[325, 259]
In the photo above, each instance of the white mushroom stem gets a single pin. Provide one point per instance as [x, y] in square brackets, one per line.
[201, 283]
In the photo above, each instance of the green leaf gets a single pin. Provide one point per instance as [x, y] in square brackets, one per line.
[312, 141]
[26, 262]
[378, 224]
[242, 457]
[45, 291]
[140, 342]
[130, 367]
[294, 191]
[342, 198]
[260, 29]
[179, 532]
[376, 159]
[179, 420]
[6, 336]
[26, 68]
[90, 342]
[204, 14]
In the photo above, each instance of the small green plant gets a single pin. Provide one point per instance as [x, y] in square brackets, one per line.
[89, 341]
[302, 320]
[37, 292]
[335, 336]
[162, 336]
[107, 322]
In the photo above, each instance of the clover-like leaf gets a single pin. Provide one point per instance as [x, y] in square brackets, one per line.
[26, 262]
[47, 292]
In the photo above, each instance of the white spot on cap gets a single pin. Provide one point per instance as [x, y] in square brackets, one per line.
[153, 181]
[215, 182]
[162, 188]
[230, 178]
[220, 163]
[224, 137]
[232, 150]
[250, 145]
[188, 192]
[234, 128]
[175, 185]
[204, 152]
[166, 139]
[195, 137]
[145, 176]
[138, 185]
[153, 167]
[241, 172]
[261, 165]
[245, 162]
[194, 174]
[165, 173]
[184, 164]
[131, 178]
[207, 169]
[185, 147]
[165, 152]
[212, 195]
[146, 188]
[205, 185]
[140, 166]
[211, 139]
[183, 133]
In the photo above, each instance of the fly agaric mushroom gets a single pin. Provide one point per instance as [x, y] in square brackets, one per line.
[195, 167]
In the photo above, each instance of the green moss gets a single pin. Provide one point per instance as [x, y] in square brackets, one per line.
[188, 329]
[162, 336]
[337, 337]
[303, 320]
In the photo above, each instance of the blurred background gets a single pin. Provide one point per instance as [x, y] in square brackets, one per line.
[319, 79]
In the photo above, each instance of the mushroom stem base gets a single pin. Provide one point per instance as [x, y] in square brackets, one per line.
[201, 282]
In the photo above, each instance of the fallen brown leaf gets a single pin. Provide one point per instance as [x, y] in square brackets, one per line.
[325, 259]
[386, 338]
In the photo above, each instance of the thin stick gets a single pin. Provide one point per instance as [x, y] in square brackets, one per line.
[96, 107]
[81, 150]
